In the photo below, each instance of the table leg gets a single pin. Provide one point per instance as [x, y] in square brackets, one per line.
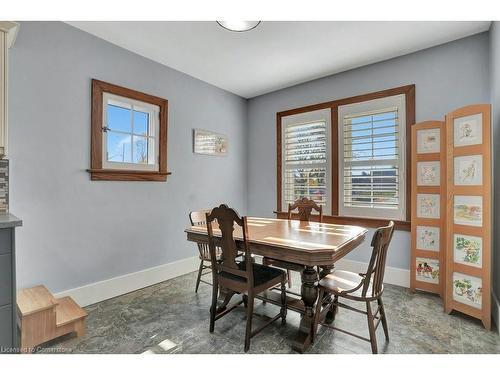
[309, 292]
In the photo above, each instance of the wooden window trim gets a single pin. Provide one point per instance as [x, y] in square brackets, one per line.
[409, 92]
[97, 172]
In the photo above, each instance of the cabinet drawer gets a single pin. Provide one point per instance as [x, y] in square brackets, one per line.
[5, 241]
[6, 328]
[5, 279]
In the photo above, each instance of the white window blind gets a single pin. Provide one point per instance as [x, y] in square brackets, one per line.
[372, 153]
[305, 140]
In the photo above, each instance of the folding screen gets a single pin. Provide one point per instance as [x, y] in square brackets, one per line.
[468, 268]
[428, 216]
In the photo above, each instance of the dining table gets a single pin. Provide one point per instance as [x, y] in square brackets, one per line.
[310, 246]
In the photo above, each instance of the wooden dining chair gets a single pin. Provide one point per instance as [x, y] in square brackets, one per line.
[304, 206]
[199, 218]
[238, 277]
[364, 287]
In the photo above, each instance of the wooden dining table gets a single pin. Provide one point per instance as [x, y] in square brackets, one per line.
[309, 245]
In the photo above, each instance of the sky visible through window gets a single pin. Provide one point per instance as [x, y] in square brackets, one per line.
[373, 137]
[368, 138]
[127, 135]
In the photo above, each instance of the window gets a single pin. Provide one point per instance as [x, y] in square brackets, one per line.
[130, 138]
[306, 157]
[372, 158]
[129, 133]
[349, 155]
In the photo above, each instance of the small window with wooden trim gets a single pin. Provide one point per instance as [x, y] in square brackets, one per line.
[129, 134]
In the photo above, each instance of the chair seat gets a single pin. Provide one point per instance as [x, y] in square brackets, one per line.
[339, 281]
[261, 274]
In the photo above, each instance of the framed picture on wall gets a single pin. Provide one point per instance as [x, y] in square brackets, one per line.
[468, 210]
[428, 238]
[467, 289]
[468, 250]
[428, 206]
[427, 270]
[209, 143]
[428, 141]
[428, 173]
[468, 170]
[468, 130]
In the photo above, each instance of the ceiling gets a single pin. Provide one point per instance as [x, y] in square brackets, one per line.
[277, 54]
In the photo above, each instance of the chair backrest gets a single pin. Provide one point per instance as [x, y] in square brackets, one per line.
[226, 218]
[376, 268]
[199, 218]
[305, 206]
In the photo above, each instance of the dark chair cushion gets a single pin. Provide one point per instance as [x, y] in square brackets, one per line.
[261, 274]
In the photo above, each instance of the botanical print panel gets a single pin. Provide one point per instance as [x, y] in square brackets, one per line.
[427, 270]
[468, 210]
[467, 289]
[428, 141]
[428, 206]
[468, 130]
[468, 250]
[427, 238]
[428, 173]
[469, 170]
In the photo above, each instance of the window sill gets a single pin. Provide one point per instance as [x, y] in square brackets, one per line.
[360, 221]
[126, 175]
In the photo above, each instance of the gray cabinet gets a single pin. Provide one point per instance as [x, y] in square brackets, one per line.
[8, 326]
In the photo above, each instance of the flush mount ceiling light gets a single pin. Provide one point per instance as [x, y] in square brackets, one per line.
[238, 26]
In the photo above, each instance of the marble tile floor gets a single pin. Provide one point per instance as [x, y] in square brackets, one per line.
[170, 318]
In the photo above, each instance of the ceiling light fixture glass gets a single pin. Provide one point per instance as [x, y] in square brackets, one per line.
[239, 26]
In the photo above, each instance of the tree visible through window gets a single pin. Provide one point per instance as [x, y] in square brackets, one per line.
[306, 157]
[130, 133]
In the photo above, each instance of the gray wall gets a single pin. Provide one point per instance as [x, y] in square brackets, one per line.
[76, 231]
[446, 77]
[495, 122]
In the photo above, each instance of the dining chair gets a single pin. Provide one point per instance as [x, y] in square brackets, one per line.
[239, 277]
[304, 206]
[364, 287]
[199, 218]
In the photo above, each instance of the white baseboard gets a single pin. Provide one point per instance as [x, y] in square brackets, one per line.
[392, 275]
[102, 290]
[495, 310]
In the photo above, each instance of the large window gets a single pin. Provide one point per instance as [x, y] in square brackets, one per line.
[349, 155]
[306, 157]
[372, 158]
[129, 134]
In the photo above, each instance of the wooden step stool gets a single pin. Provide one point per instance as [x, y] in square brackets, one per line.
[42, 317]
